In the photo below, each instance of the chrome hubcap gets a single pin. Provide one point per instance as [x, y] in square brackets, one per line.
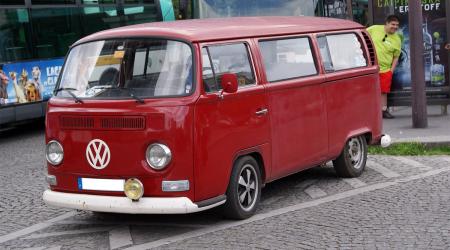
[355, 151]
[247, 187]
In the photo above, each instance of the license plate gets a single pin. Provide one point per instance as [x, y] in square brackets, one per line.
[100, 184]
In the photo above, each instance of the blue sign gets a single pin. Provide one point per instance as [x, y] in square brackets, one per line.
[31, 81]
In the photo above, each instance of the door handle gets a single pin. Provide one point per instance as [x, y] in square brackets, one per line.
[262, 112]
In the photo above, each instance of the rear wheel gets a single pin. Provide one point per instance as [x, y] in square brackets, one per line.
[244, 189]
[352, 160]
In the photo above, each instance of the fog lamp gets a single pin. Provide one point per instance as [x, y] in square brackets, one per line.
[133, 189]
[54, 153]
[158, 156]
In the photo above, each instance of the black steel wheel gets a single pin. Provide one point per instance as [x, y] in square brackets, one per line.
[244, 189]
[352, 161]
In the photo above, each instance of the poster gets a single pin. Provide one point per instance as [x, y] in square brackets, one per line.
[434, 39]
[30, 81]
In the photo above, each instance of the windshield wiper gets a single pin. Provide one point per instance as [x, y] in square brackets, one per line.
[129, 91]
[69, 90]
[132, 95]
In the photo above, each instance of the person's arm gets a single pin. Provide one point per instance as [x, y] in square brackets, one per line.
[447, 46]
[394, 64]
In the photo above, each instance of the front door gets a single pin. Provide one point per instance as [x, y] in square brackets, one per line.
[229, 123]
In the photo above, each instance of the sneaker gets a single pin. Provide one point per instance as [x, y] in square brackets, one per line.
[387, 115]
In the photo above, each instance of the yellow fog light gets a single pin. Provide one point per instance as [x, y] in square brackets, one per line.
[133, 189]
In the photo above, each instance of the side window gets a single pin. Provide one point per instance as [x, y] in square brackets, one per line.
[287, 58]
[343, 57]
[220, 59]
[325, 53]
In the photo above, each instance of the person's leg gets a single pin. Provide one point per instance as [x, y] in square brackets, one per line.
[383, 101]
[385, 82]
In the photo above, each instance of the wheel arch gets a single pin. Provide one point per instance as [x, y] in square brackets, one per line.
[255, 153]
[366, 132]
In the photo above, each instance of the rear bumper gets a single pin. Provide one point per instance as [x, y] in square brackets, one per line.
[114, 204]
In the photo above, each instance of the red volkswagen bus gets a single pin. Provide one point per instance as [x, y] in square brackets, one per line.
[184, 116]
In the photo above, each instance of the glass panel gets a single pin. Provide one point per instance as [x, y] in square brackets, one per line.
[12, 2]
[53, 1]
[139, 1]
[139, 14]
[14, 35]
[182, 9]
[345, 57]
[128, 69]
[55, 29]
[96, 18]
[209, 82]
[99, 18]
[231, 58]
[335, 8]
[99, 1]
[325, 53]
[288, 58]
[221, 8]
[360, 10]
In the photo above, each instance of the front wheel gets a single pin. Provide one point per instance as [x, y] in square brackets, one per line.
[244, 189]
[352, 160]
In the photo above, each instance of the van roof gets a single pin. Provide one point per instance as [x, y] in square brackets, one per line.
[227, 28]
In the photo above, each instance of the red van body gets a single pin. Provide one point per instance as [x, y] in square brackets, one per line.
[280, 127]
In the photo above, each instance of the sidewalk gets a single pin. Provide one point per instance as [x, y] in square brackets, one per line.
[401, 130]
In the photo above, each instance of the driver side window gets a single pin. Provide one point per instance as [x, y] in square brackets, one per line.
[230, 58]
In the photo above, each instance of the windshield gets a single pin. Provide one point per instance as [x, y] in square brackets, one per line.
[113, 69]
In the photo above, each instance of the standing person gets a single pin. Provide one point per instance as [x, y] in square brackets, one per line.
[388, 45]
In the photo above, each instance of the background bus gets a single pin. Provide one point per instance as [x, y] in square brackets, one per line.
[36, 34]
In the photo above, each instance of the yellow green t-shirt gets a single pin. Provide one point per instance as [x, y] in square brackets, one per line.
[388, 49]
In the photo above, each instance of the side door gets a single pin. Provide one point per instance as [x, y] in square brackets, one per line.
[352, 89]
[226, 124]
[296, 99]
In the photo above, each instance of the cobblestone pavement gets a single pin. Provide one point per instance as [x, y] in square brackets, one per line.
[398, 203]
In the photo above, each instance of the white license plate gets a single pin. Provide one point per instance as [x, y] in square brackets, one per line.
[100, 184]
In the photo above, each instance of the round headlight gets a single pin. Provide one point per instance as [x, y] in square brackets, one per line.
[133, 189]
[54, 153]
[158, 156]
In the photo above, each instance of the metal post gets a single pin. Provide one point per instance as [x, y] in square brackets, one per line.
[418, 95]
[447, 17]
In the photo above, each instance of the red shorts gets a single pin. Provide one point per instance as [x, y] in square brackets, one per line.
[385, 82]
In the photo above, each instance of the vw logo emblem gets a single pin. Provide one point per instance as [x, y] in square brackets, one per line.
[98, 154]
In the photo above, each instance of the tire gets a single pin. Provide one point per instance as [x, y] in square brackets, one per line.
[352, 160]
[243, 195]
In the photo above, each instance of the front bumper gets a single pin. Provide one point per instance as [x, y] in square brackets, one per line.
[114, 204]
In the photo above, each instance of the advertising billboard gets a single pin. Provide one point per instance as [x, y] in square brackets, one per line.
[434, 39]
[27, 82]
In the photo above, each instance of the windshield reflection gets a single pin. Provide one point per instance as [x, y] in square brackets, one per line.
[143, 68]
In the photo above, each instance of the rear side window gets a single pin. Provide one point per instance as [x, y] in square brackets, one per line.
[230, 58]
[341, 51]
[287, 58]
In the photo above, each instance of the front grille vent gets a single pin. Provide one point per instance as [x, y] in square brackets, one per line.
[74, 122]
[103, 122]
[122, 123]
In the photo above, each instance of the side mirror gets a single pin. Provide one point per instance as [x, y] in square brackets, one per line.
[229, 83]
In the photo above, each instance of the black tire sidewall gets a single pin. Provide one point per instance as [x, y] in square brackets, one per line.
[343, 164]
[232, 208]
